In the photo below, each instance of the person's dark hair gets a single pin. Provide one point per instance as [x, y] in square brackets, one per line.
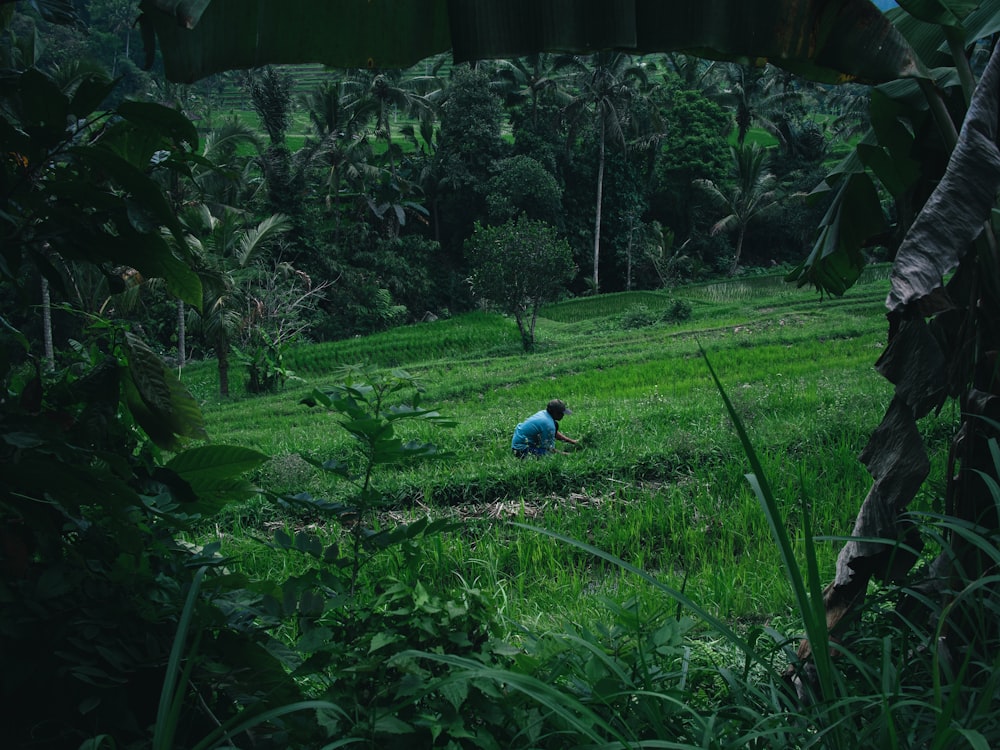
[557, 408]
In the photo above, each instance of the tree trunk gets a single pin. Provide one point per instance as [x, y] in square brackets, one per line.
[526, 339]
[739, 250]
[534, 319]
[628, 254]
[50, 357]
[600, 200]
[388, 147]
[181, 336]
[222, 352]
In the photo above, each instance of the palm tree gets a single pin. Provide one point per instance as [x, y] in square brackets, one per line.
[851, 103]
[342, 151]
[607, 82]
[768, 97]
[220, 179]
[382, 95]
[227, 176]
[118, 16]
[229, 251]
[535, 78]
[753, 193]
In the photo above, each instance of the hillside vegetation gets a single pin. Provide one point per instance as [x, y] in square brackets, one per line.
[658, 479]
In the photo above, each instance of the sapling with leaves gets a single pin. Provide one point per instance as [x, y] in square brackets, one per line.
[354, 639]
[365, 402]
[519, 266]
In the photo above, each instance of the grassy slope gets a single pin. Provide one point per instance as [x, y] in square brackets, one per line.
[659, 481]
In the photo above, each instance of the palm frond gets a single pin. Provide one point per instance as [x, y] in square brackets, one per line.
[254, 242]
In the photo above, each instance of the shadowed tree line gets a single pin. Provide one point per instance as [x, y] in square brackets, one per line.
[382, 175]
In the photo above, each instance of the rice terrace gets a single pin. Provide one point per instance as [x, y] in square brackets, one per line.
[658, 478]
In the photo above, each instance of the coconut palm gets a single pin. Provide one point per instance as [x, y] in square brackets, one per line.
[221, 177]
[851, 105]
[382, 95]
[695, 72]
[607, 82]
[119, 17]
[753, 193]
[756, 96]
[343, 153]
[227, 177]
[230, 251]
[533, 79]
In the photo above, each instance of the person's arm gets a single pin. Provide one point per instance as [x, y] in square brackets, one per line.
[560, 436]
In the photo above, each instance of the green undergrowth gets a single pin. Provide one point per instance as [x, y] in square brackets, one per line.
[658, 479]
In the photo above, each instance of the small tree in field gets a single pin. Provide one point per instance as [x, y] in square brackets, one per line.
[519, 265]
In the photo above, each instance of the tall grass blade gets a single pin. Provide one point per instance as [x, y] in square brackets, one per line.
[576, 715]
[808, 598]
[239, 724]
[171, 695]
[718, 625]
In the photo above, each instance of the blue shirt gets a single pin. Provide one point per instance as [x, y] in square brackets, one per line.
[537, 433]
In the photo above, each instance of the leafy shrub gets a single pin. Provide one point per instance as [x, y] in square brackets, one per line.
[266, 372]
[678, 311]
[639, 316]
[94, 578]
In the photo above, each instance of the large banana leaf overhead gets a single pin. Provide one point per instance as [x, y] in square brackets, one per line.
[826, 40]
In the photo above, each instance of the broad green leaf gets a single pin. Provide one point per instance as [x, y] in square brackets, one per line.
[153, 257]
[941, 12]
[308, 543]
[317, 398]
[166, 121]
[833, 42]
[455, 693]
[928, 40]
[215, 462]
[982, 22]
[90, 94]
[976, 740]
[391, 725]
[895, 174]
[154, 427]
[42, 107]
[892, 134]
[131, 178]
[516, 27]
[147, 372]
[380, 640]
[41, 475]
[313, 639]
[161, 405]
[229, 34]
[369, 427]
[22, 440]
[855, 215]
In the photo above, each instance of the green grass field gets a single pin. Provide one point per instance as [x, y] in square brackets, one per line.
[660, 478]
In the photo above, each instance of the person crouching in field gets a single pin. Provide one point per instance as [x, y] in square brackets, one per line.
[537, 435]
